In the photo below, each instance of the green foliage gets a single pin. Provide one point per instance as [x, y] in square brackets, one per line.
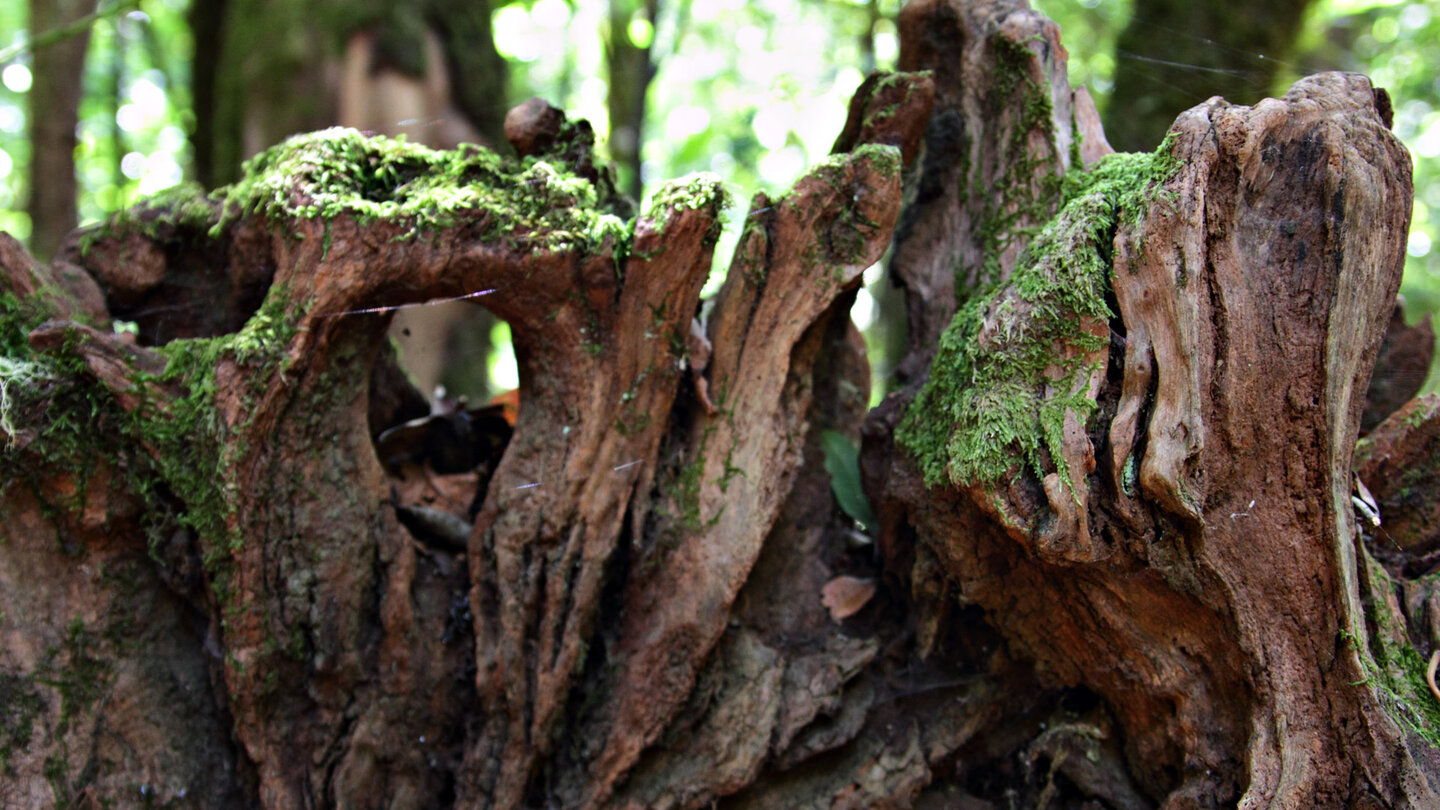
[1013, 361]
[20, 705]
[842, 462]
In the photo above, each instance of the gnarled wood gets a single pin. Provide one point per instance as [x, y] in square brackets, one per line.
[1215, 605]
[1114, 556]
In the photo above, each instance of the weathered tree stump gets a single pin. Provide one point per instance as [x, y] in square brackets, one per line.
[1115, 542]
[1183, 543]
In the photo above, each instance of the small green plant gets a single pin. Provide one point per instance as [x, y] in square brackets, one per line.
[842, 462]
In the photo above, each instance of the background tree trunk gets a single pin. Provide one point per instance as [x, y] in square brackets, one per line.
[53, 117]
[1175, 54]
[1113, 560]
[631, 70]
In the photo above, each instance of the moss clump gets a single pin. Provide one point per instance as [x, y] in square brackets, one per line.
[1014, 361]
[184, 207]
[698, 191]
[341, 172]
[885, 157]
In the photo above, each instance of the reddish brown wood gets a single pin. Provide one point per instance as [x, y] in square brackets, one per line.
[1172, 604]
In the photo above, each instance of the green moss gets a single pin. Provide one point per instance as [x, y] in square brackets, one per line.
[79, 671]
[888, 80]
[1131, 475]
[1392, 665]
[52, 417]
[166, 451]
[71, 669]
[682, 488]
[20, 704]
[1027, 188]
[1418, 417]
[184, 207]
[841, 241]
[18, 316]
[190, 448]
[1012, 362]
[885, 158]
[191, 452]
[632, 426]
[341, 172]
[700, 191]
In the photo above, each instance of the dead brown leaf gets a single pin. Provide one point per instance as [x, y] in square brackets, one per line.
[845, 595]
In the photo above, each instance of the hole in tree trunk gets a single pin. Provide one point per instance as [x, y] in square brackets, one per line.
[439, 452]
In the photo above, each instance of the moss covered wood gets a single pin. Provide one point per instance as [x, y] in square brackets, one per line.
[1117, 564]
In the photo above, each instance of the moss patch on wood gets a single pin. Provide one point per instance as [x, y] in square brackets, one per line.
[1013, 362]
[1393, 668]
[341, 172]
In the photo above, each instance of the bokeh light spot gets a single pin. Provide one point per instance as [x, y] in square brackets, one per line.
[16, 78]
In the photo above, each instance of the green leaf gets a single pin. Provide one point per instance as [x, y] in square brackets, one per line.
[842, 461]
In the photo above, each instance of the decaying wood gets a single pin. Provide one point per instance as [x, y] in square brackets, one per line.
[1397, 463]
[999, 74]
[1400, 368]
[220, 588]
[1213, 597]
[339, 665]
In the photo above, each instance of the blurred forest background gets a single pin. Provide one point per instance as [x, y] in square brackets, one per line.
[133, 97]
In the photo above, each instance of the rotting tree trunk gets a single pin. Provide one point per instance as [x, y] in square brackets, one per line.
[1133, 579]
[1185, 547]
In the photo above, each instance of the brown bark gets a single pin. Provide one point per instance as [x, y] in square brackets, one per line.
[1166, 604]
[1204, 577]
[1400, 368]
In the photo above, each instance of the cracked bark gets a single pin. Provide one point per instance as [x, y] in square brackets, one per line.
[1190, 618]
